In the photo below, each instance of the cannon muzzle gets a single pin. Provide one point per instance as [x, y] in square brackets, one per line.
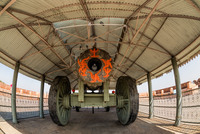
[94, 66]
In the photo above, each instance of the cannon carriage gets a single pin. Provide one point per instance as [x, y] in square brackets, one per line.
[94, 67]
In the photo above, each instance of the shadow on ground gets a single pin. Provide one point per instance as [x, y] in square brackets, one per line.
[84, 122]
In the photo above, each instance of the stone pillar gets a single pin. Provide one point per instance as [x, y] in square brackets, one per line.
[13, 97]
[41, 96]
[150, 96]
[178, 92]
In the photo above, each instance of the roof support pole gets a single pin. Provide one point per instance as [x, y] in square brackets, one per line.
[13, 97]
[178, 92]
[151, 108]
[41, 96]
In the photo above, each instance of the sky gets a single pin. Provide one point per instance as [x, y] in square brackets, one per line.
[188, 72]
[24, 82]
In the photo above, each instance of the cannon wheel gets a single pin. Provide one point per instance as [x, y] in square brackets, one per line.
[127, 100]
[59, 100]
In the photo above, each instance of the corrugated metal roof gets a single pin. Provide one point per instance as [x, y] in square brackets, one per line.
[31, 32]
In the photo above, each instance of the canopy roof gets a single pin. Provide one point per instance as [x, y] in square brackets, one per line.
[142, 36]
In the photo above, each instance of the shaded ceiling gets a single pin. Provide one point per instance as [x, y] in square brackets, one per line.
[141, 36]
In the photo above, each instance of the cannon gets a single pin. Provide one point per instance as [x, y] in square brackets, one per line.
[94, 67]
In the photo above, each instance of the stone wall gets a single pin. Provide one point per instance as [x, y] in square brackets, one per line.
[8, 88]
[165, 106]
[27, 102]
[171, 90]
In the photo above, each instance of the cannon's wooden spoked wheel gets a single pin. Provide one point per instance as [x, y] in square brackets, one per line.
[59, 100]
[127, 100]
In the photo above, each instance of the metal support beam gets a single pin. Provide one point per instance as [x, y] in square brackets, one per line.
[41, 96]
[13, 97]
[178, 92]
[151, 108]
[7, 6]
[38, 35]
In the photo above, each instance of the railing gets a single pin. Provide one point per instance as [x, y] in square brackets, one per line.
[165, 106]
[27, 106]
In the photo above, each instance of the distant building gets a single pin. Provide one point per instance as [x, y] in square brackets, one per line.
[8, 88]
[186, 88]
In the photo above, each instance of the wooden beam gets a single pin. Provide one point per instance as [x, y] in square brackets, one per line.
[30, 69]
[128, 59]
[99, 2]
[126, 22]
[132, 51]
[85, 8]
[33, 46]
[19, 25]
[7, 6]
[169, 15]
[124, 30]
[28, 72]
[191, 43]
[30, 29]
[143, 16]
[89, 18]
[92, 41]
[56, 66]
[137, 32]
[152, 39]
[61, 69]
[28, 14]
[79, 37]
[156, 5]
[85, 25]
[109, 31]
[143, 34]
[110, 42]
[137, 10]
[148, 44]
[194, 4]
[60, 40]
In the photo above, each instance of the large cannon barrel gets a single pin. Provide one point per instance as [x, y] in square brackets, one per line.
[94, 66]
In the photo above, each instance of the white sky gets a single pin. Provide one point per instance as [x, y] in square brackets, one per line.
[188, 72]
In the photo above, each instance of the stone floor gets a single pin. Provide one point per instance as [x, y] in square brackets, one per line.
[169, 125]
[84, 122]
